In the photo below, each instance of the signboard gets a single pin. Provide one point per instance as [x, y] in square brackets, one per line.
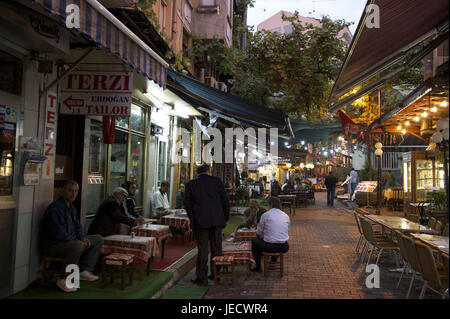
[97, 93]
[51, 118]
[366, 187]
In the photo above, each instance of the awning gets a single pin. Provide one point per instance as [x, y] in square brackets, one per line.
[197, 93]
[99, 25]
[403, 25]
[314, 132]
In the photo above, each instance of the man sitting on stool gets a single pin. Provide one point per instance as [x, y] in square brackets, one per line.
[62, 236]
[272, 233]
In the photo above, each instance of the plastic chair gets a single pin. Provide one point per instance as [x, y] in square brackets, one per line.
[413, 260]
[431, 271]
[379, 244]
[403, 253]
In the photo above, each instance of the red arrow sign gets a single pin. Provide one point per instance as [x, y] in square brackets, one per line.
[70, 102]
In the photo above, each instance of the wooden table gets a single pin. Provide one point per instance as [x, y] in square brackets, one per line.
[160, 232]
[241, 251]
[400, 224]
[439, 243]
[176, 222]
[290, 198]
[244, 234]
[143, 248]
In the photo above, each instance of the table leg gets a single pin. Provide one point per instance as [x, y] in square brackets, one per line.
[163, 243]
[148, 265]
[141, 272]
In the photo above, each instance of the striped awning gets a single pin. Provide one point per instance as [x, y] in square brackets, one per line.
[98, 24]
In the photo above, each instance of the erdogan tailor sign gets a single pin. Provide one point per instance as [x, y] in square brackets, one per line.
[97, 93]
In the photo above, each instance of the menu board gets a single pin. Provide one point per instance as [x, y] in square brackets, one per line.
[366, 186]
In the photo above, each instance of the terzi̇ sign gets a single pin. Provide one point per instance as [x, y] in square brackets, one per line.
[97, 93]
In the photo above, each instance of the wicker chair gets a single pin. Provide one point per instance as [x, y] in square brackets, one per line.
[413, 260]
[432, 222]
[431, 270]
[445, 231]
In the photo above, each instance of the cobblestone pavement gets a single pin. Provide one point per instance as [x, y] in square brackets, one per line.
[320, 264]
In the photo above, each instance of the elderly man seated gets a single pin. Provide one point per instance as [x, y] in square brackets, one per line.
[160, 200]
[272, 233]
[110, 215]
[253, 215]
[62, 237]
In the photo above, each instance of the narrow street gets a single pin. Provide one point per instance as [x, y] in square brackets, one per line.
[321, 263]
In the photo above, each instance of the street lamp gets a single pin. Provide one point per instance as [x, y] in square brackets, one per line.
[378, 154]
[441, 139]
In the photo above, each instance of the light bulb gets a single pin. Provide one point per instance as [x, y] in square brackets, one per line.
[403, 132]
[444, 104]
[399, 127]
[407, 123]
[434, 109]
[424, 114]
[416, 119]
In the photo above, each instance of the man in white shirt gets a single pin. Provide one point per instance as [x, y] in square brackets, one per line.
[160, 200]
[354, 181]
[272, 234]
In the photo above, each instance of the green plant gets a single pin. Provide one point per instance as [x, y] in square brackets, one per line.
[438, 199]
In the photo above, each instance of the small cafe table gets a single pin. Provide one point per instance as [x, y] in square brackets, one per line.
[401, 224]
[244, 234]
[175, 221]
[143, 248]
[160, 232]
[439, 243]
[241, 251]
[290, 198]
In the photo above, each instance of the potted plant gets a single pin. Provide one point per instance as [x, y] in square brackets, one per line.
[438, 201]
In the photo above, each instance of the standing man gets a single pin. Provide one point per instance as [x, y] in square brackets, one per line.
[62, 237]
[272, 234]
[330, 183]
[160, 200]
[208, 210]
[354, 181]
[110, 215]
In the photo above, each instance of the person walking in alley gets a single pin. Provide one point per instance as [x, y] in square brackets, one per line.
[62, 237]
[330, 183]
[272, 234]
[208, 209]
[354, 181]
[180, 197]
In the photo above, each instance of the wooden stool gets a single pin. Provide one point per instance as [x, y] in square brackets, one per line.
[273, 266]
[227, 263]
[45, 261]
[124, 261]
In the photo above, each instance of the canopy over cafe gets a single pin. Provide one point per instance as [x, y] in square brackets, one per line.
[71, 107]
[410, 32]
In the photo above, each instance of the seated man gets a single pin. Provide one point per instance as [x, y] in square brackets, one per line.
[130, 203]
[110, 216]
[253, 215]
[160, 200]
[275, 189]
[272, 233]
[62, 237]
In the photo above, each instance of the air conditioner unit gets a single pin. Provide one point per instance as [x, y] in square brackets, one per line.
[223, 87]
[211, 81]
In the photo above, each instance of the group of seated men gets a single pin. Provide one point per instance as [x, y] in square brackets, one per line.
[62, 235]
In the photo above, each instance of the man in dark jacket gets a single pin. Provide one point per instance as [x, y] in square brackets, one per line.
[62, 236]
[110, 215]
[208, 209]
[330, 183]
[130, 203]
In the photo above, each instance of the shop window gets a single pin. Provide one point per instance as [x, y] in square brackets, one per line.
[136, 165]
[119, 152]
[96, 169]
[8, 118]
[122, 121]
[162, 162]
[137, 118]
[10, 74]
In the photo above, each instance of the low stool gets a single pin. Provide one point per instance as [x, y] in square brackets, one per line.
[273, 262]
[122, 262]
[47, 260]
[227, 268]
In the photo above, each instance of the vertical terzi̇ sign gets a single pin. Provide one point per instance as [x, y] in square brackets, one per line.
[51, 117]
